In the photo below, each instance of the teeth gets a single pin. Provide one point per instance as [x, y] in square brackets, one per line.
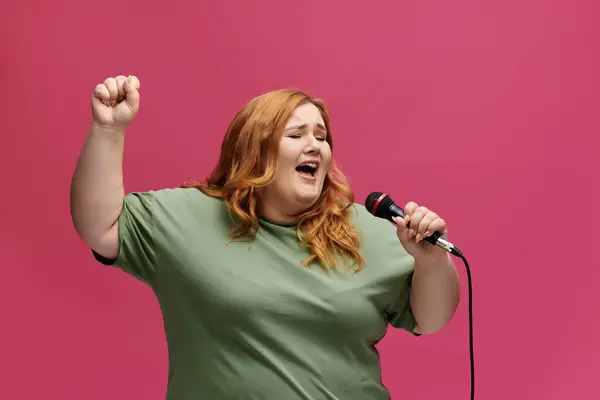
[310, 165]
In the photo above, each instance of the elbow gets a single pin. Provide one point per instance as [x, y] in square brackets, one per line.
[435, 319]
[428, 329]
[104, 242]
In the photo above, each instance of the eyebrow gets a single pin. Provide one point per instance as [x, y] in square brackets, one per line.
[303, 126]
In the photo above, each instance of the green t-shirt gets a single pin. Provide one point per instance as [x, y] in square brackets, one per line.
[249, 321]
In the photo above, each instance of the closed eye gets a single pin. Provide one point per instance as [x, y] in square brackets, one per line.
[298, 136]
[297, 131]
[319, 136]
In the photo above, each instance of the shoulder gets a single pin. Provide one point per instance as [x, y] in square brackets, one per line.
[369, 224]
[378, 236]
[173, 201]
[167, 196]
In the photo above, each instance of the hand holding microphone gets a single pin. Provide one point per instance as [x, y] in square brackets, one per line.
[414, 225]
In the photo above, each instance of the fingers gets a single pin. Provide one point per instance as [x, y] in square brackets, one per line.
[423, 222]
[120, 80]
[131, 86]
[423, 228]
[101, 93]
[410, 207]
[437, 225]
[114, 90]
[420, 219]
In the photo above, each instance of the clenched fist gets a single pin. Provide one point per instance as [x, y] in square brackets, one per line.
[116, 101]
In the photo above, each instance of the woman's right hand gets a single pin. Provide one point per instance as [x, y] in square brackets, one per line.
[116, 101]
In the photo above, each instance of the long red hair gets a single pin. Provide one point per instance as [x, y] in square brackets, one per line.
[247, 163]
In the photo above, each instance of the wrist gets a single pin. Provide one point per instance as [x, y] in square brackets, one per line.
[440, 259]
[110, 132]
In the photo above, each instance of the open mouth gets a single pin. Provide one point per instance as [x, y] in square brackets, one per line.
[308, 169]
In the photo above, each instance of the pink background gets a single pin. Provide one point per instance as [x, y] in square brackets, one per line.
[485, 111]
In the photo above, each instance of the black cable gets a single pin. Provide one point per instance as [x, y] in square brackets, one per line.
[434, 239]
[471, 356]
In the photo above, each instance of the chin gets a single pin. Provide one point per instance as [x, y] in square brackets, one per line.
[307, 199]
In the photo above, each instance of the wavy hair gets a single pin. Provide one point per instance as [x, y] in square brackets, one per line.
[248, 160]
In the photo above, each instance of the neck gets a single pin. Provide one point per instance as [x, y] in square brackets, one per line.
[275, 215]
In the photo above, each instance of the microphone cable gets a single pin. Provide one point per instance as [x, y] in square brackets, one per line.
[470, 315]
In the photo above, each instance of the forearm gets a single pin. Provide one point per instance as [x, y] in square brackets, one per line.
[97, 186]
[435, 294]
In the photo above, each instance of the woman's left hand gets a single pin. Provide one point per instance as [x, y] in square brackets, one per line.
[423, 223]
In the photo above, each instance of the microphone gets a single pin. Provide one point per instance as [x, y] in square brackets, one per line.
[382, 206]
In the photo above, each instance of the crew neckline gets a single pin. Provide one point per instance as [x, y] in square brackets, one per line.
[280, 224]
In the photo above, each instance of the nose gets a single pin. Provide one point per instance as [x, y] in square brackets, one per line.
[314, 145]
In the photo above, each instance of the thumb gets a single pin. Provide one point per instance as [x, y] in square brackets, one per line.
[401, 223]
[133, 81]
[401, 230]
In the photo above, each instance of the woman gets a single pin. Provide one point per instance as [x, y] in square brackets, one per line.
[273, 284]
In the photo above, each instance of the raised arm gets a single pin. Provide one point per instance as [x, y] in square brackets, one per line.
[97, 184]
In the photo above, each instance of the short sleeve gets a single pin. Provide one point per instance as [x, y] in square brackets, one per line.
[400, 314]
[135, 226]
[392, 266]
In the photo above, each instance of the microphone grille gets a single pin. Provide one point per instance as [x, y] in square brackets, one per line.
[371, 200]
[380, 205]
